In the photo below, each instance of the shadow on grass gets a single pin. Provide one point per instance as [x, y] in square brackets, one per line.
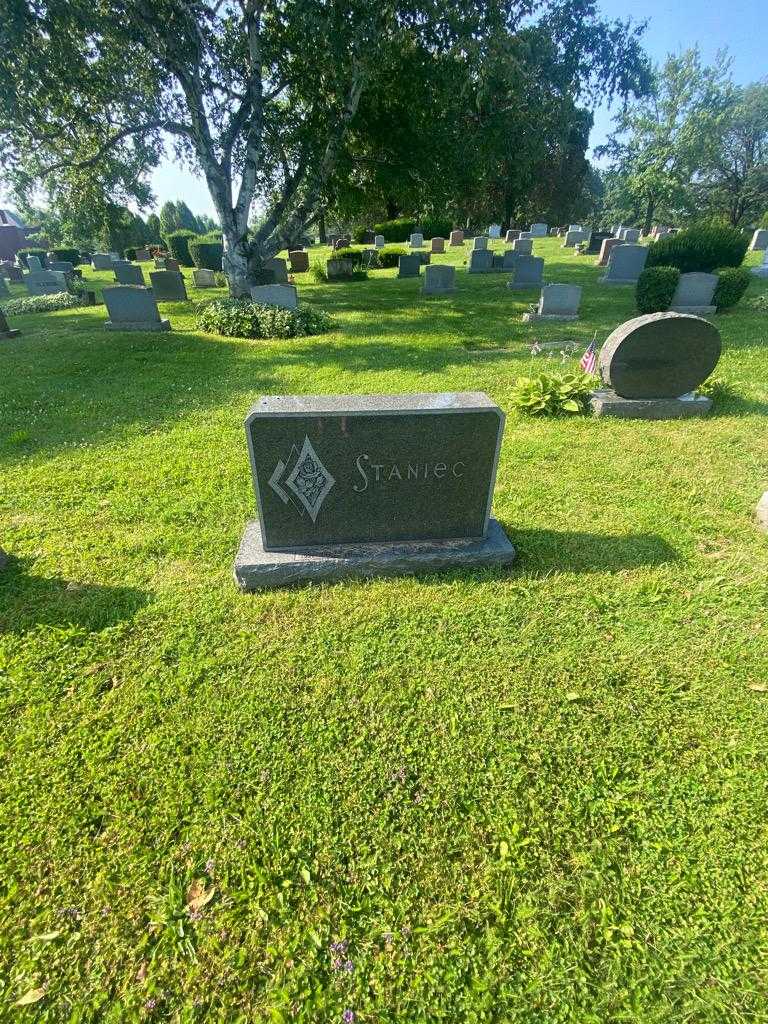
[542, 552]
[27, 601]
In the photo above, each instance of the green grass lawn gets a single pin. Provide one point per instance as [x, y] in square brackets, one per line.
[535, 795]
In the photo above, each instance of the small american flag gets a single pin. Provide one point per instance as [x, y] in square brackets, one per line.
[589, 359]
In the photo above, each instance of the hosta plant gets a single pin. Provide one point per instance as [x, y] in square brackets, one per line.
[553, 394]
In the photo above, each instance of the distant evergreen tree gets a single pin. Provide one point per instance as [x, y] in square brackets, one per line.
[153, 229]
[169, 218]
[187, 219]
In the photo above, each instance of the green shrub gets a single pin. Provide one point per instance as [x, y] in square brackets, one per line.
[318, 273]
[390, 254]
[355, 255]
[732, 283]
[21, 256]
[436, 227]
[553, 394]
[242, 318]
[177, 243]
[399, 230]
[358, 235]
[701, 248]
[43, 303]
[206, 253]
[655, 288]
[70, 255]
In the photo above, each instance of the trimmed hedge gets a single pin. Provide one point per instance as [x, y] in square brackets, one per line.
[177, 243]
[70, 255]
[355, 255]
[399, 230]
[242, 318]
[436, 227]
[733, 282]
[655, 288]
[43, 303]
[21, 257]
[390, 254]
[702, 248]
[205, 253]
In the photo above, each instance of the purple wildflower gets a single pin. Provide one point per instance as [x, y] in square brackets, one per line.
[150, 1004]
[210, 866]
[348, 1017]
[348, 966]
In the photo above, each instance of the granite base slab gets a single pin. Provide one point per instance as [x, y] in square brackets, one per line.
[608, 403]
[257, 569]
[152, 325]
[530, 318]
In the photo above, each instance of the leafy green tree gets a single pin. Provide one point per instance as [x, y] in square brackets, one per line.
[169, 218]
[187, 220]
[153, 230]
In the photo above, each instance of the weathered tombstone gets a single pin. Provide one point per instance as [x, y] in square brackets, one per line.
[45, 282]
[204, 278]
[538, 230]
[625, 264]
[409, 266]
[279, 270]
[168, 286]
[439, 280]
[7, 332]
[694, 294]
[651, 365]
[339, 269]
[557, 302]
[34, 263]
[618, 231]
[283, 295]
[159, 262]
[171, 264]
[523, 246]
[416, 240]
[133, 308]
[605, 250]
[342, 242]
[438, 245]
[554, 232]
[575, 227]
[101, 261]
[512, 235]
[299, 261]
[631, 236]
[457, 237]
[62, 266]
[479, 242]
[759, 240]
[573, 238]
[528, 272]
[5, 291]
[368, 238]
[762, 270]
[596, 240]
[379, 241]
[480, 261]
[143, 255]
[494, 231]
[368, 485]
[114, 255]
[129, 273]
[526, 234]
[509, 259]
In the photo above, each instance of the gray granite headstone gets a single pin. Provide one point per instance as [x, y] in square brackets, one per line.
[759, 240]
[114, 255]
[416, 240]
[631, 236]
[45, 282]
[494, 231]
[596, 240]
[409, 265]
[34, 263]
[605, 250]
[143, 255]
[694, 294]
[128, 273]
[438, 245]
[379, 241]
[283, 295]
[523, 246]
[369, 485]
[479, 242]
[279, 270]
[510, 258]
[539, 230]
[625, 264]
[457, 237]
[338, 269]
[133, 308]
[101, 261]
[62, 266]
[7, 332]
[169, 263]
[204, 278]
[168, 286]
[528, 272]
[512, 235]
[439, 279]
[480, 261]
[573, 238]
[299, 261]
[560, 302]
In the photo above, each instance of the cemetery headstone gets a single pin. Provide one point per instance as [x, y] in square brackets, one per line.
[509, 259]
[575, 227]
[34, 263]
[7, 332]
[438, 245]
[694, 294]
[512, 235]
[573, 238]
[204, 278]
[596, 240]
[171, 264]
[625, 264]
[343, 242]
[481, 261]
[168, 286]
[528, 272]
[631, 236]
[651, 365]
[759, 240]
[368, 238]
[159, 262]
[129, 273]
[479, 242]
[279, 270]
[143, 255]
[526, 234]
[338, 269]
[523, 246]
[14, 274]
[133, 308]
[409, 266]
[539, 230]
[283, 295]
[114, 255]
[299, 261]
[416, 240]
[494, 231]
[367, 485]
[101, 261]
[62, 266]
[45, 282]
[457, 237]
[557, 302]
[439, 280]
[379, 241]
[605, 250]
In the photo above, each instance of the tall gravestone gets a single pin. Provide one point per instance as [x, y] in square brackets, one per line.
[479, 242]
[523, 246]
[299, 261]
[651, 365]
[528, 272]
[439, 279]
[204, 278]
[481, 261]
[284, 295]
[605, 250]
[34, 264]
[596, 240]
[416, 240]
[129, 273]
[409, 265]
[279, 269]
[539, 230]
[457, 237]
[379, 241]
[494, 231]
[694, 294]
[625, 264]
[631, 236]
[101, 261]
[133, 308]
[168, 286]
[438, 245]
[556, 302]
[366, 485]
[759, 240]
[512, 235]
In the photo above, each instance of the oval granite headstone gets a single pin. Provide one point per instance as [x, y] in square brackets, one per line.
[660, 355]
